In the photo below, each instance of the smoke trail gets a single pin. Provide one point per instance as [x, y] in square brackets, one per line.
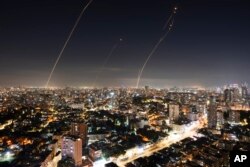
[106, 61]
[66, 42]
[170, 26]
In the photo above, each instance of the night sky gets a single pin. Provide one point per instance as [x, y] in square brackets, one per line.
[208, 46]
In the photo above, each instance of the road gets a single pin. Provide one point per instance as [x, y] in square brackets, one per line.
[135, 153]
[6, 124]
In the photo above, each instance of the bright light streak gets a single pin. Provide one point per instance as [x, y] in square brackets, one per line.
[170, 23]
[170, 17]
[66, 42]
[149, 56]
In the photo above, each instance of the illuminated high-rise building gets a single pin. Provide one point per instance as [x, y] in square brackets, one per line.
[1, 104]
[234, 116]
[232, 95]
[244, 91]
[220, 119]
[80, 130]
[212, 113]
[72, 147]
[146, 90]
[174, 111]
[236, 94]
[228, 95]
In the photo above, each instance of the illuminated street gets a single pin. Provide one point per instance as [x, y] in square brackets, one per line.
[173, 137]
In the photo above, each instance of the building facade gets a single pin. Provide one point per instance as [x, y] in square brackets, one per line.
[72, 147]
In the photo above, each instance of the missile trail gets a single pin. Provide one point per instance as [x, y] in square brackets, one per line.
[106, 61]
[169, 23]
[150, 55]
[170, 17]
[66, 42]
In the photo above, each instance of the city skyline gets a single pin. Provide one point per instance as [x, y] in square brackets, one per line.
[207, 47]
[124, 83]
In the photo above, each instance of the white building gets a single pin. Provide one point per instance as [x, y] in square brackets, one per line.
[72, 147]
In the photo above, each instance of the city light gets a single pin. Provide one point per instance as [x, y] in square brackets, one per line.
[133, 84]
